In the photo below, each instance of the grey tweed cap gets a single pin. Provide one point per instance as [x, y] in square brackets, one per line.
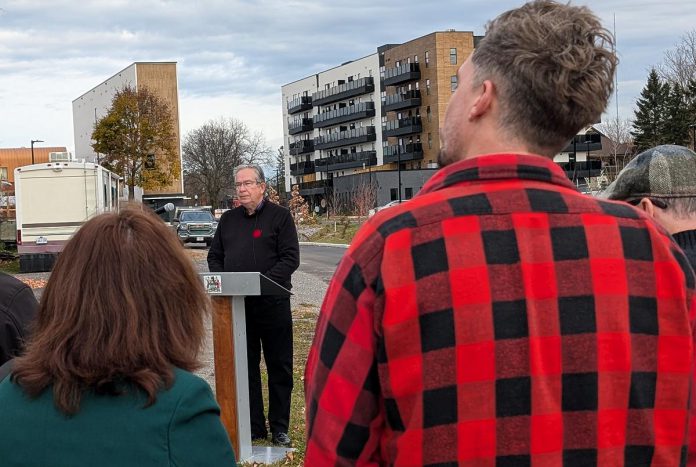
[666, 171]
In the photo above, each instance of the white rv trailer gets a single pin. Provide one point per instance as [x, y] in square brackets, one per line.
[53, 200]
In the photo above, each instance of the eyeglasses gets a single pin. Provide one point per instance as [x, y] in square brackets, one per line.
[246, 184]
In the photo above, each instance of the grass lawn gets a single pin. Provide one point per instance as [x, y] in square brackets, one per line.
[10, 267]
[304, 322]
[338, 232]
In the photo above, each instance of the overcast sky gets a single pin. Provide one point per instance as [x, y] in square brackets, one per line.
[233, 55]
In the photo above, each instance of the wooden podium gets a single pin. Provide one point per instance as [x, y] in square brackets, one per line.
[227, 291]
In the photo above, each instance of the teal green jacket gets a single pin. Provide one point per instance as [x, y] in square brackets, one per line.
[182, 428]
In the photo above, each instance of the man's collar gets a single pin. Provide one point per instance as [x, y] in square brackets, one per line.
[257, 209]
[498, 167]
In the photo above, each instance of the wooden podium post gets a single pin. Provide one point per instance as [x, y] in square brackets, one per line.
[227, 290]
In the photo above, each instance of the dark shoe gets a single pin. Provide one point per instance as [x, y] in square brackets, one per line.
[259, 436]
[281, 439]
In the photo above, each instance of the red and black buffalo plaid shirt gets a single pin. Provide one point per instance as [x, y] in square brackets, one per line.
[502, 318]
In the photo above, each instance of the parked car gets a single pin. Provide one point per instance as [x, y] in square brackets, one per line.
[195, 226]
[372, 212]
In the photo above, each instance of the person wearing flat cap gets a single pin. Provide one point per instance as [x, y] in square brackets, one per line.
[662, 182]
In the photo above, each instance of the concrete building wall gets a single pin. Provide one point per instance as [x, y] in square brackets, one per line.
[385, 182]
[93, 105]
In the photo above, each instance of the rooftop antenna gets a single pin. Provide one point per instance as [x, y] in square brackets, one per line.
[616, 76]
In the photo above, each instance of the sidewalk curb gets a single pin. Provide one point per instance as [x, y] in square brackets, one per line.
[334, 245]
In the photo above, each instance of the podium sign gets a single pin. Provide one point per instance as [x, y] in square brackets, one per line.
[227, 291]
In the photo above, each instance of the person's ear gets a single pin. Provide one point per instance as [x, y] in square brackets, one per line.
[647, 206]
[484, 101]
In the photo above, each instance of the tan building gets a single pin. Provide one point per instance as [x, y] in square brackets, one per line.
[418, 78]
[11, 158]
[160, 78]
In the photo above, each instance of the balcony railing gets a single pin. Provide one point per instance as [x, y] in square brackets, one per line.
[345, 138]
[322, 165]
[409, 152]
[404, 126]
[299, 104]
[317, 187]
[402, 101]
[301, 147]
[345, 114]
[302, 168]
[344, 91]
[300, 125]
[401, 74]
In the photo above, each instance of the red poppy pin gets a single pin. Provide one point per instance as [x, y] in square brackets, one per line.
[257, 233]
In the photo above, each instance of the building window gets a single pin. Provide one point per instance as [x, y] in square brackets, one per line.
[453, 83]
[427, 58]
[3, 173]
[428, 114]
[393, 195]
[453, 56]
[415, 58]
[408, 193]
[427, 87]
[430, 140]
[417, 85]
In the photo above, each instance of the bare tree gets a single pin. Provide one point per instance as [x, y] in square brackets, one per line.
[211, 152]
[620, 148]
[364, 197]
[679, 64]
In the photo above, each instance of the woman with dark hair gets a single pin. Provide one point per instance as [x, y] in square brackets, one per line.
[105, 379]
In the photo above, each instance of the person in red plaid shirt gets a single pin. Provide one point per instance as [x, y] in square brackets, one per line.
[501, 317]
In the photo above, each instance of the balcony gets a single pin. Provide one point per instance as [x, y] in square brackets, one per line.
[300, 125]
[401, 74]
[404, 126]
[352, 160]
[322, 165]
[344, 91]
[301, 147]
[409, 152]
[299, 104]
[345, 114]
[402, 101]
[302, 168]
[318, 187]
[346, 138]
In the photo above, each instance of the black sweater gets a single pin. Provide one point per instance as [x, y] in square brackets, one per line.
[264, 242]
[18, 307]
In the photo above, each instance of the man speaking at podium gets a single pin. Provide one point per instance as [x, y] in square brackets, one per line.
[260, 236]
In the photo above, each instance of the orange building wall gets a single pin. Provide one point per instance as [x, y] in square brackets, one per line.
[11, 158]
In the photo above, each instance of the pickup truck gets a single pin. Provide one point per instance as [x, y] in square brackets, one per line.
[195, 226]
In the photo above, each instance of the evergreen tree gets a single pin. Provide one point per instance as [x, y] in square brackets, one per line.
[651, 116]
[690, 99]
[677, 122]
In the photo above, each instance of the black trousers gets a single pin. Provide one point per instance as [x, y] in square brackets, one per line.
[269, 325]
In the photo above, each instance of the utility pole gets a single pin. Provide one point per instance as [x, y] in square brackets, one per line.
[32, 148]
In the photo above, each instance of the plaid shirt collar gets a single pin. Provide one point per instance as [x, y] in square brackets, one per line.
[498, 167]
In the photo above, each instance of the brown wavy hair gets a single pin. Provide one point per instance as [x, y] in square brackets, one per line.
[553, 66]
[123, 305]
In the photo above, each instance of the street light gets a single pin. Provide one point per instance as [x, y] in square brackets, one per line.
[32, 148]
